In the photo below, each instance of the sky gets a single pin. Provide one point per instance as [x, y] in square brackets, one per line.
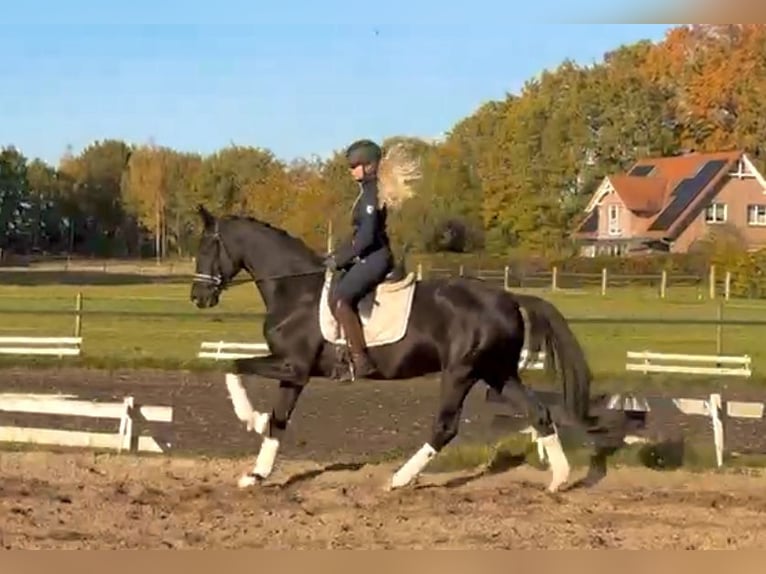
[297, 77]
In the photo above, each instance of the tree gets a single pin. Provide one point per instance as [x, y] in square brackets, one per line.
[14, 196]
[96, 176]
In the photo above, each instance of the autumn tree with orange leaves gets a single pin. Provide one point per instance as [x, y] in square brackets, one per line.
[511, 177]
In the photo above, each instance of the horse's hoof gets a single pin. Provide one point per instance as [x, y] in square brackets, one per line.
[398, 483]
[249, 480]
[557, 482]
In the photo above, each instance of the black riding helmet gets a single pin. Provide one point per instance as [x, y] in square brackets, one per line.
[363, 152]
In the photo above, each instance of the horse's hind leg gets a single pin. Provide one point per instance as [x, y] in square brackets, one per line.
[272, 426]
[542, 422]
[456, 383]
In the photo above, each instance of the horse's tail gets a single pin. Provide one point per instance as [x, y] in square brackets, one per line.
[547, 330]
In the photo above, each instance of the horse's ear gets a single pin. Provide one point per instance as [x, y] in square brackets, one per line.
[208, 220]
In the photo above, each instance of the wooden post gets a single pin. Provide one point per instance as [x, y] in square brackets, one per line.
[506, 281]
[329, 236]
[461, 271]
[603, 281]
[420, 271]
[711, 281]
[555, 278]
[719, 329]
[664, 283]
[727, 286]
[78, 316]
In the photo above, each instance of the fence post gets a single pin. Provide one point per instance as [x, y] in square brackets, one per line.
[420, 271]
[727, 286]
[603, 281]
[663, 283]
[78, 315]
[461, 270]
[719, 329]
[505, 278]
[711, 281]
[555, 278]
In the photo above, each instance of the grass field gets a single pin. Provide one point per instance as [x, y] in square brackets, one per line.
[122, 340]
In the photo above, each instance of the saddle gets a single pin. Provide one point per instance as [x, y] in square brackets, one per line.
[384, 312]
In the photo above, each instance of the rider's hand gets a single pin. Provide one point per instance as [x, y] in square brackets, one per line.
[330, 263]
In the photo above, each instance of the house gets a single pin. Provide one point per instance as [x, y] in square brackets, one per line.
[668, 203]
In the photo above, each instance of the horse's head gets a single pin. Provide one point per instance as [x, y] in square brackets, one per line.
[217, 261]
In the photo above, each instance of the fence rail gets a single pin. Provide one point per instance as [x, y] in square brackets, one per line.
[57, 346]
[716, 282]
[214, 315]
[125, 411]
[649, 362]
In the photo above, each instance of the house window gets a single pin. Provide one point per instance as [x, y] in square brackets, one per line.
[756, 214]
[614, 220]
[716, 213]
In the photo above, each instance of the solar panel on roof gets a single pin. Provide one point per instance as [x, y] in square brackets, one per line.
[641, 170]
[685, 192]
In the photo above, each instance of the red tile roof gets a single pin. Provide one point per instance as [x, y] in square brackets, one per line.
[648, 195]
[640, 194]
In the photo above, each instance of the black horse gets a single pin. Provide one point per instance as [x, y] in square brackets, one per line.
[466, 330]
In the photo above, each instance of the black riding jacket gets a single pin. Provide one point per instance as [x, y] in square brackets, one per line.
[369, 227]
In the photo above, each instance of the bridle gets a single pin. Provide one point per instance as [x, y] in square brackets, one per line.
[217, 280]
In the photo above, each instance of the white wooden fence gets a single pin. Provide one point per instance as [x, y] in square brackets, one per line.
[222, 350]
[713, 407]
[650, 362]
[69, 405]
[56, 346]
[218, 350]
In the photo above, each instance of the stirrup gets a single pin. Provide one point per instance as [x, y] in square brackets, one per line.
[342, 370]
[364, 359]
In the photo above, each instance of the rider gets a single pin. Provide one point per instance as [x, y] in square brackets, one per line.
[367, 257]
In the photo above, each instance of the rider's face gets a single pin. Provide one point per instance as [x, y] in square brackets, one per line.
[357, 172]
[363, 171]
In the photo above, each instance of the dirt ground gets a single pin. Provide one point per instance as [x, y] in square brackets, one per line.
[86, 501]
[326, 492]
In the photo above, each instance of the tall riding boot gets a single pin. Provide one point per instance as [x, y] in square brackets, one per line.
[352, 327]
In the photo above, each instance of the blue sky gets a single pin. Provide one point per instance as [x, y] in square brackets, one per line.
[299, 78]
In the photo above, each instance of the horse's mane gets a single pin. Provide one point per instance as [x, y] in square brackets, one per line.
[289, 240]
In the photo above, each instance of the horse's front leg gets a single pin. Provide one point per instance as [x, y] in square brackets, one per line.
[269, 367]
[272, 426]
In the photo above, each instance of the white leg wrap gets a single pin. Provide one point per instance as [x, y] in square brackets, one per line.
[242, 407]
[259, 423]
[266, 456]
[253, 420]
[534, 436]
[557, 460]
[263, 464]
[413, 467]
